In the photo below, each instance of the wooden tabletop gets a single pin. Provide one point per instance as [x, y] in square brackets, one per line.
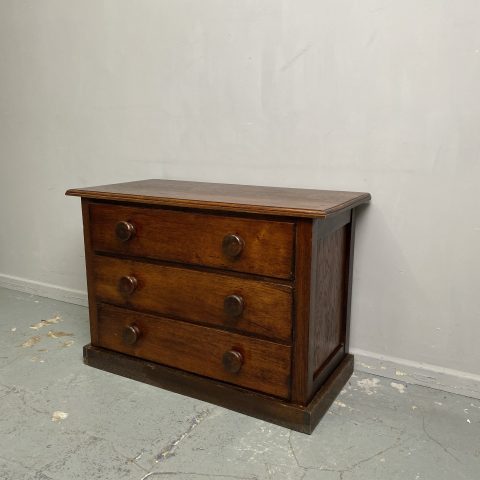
[295, 202]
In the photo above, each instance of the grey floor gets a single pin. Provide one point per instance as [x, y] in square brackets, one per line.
[61, 420]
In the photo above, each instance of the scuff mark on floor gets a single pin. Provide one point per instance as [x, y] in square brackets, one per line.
[67, 344]
[37, 359]
[43, 323]
[364, 365]
[368, 385]
[398, 386]
[58, 416]
[52, 334]
[31, 341]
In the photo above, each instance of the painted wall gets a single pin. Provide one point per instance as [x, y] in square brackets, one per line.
[377, 96]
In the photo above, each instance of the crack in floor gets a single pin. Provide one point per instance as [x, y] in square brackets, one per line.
[340, 471]
[169, 450]
[434, 440]
[208, 475]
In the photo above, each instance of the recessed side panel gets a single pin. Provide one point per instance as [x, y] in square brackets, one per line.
[329, 302]
[329, 296]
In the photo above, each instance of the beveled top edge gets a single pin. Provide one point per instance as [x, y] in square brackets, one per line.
[294, 202]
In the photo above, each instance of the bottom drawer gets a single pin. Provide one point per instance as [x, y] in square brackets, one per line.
[249, 362]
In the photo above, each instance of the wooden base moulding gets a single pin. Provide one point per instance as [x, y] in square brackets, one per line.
[297, 417]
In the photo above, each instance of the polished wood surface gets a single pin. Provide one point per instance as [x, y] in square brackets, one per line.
[92, 306]
[197, 296]
[265, 407]
[232, 361]
[329, 296]
[264, 365]
[321, 297]
[196, 238]
[301, 375]
[294, 202]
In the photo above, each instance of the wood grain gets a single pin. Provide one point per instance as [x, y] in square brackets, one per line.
[294, 202]
[320, 295]
[198, 349]
[195, 238]
[349, 279]
[329, 296]
[92, 307]
[301, 375]
[197, 296]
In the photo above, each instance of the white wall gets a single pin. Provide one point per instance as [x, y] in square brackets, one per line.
[379, 96]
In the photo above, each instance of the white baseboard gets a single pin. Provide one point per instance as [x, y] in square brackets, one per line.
[417, 373]
[78, 297]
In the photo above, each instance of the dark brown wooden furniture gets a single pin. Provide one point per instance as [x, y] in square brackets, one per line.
[234, 294]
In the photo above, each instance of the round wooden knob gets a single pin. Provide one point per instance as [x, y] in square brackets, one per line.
[232, 245]
[233, 305]
[124, 231]
[127, 285]
[131, 334]
[232, 361]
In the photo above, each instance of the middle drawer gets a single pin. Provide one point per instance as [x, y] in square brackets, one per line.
[243, 304]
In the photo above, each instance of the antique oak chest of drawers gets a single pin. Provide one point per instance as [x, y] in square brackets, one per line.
[233, 294]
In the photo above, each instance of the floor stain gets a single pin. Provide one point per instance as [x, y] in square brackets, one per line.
[52, 334]
[368, 385]
[31, 341]
[43, 323]
[398, 386]
[58, 415]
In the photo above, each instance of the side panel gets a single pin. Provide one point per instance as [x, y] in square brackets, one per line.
[92, 307]
[331, 307]
[323, 263]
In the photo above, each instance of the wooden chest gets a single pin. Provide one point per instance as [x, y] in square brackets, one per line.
[233, 294]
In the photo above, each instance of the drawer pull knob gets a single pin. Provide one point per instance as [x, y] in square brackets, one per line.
[124, 231]
[232, 361]
[127, 285]
[232, 245]
[233, 305]
[131, 334]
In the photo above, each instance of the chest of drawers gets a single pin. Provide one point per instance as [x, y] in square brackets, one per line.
[233, 294]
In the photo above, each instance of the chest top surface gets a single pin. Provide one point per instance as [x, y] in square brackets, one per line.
[295, 202]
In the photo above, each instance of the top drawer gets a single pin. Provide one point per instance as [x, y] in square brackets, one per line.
[262, 247]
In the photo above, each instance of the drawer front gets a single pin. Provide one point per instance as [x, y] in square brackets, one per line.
[244, 304]
[242, 244]
[248, 362]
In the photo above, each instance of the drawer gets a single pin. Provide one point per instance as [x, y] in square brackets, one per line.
[248, 362]
[248, 245]
[245, 304]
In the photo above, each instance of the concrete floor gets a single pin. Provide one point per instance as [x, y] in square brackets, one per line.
[61, 420]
